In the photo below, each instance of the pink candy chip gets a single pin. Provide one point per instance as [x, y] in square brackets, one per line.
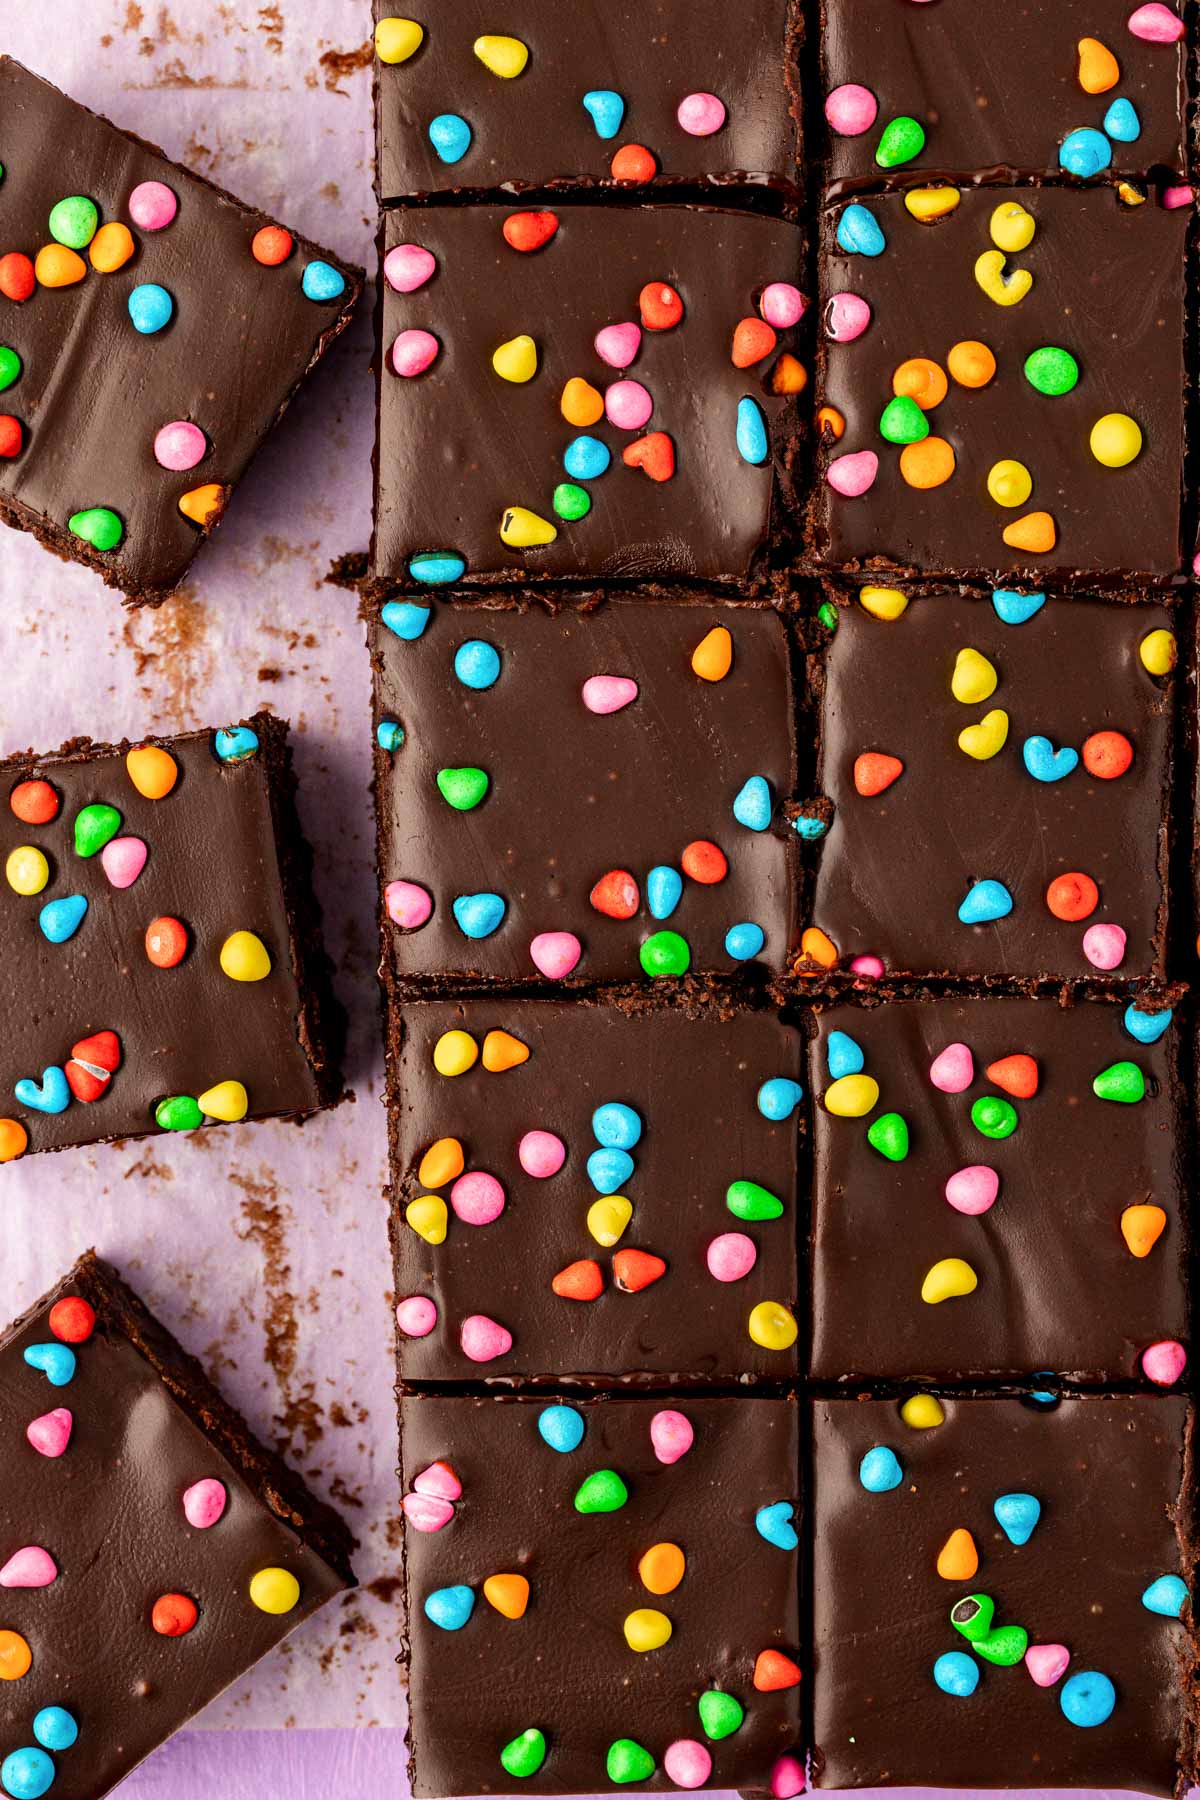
[407, 267]
[617, 345]
[555, 953]
[413, 352]
[973, 1190]
[869, 967]
[788, 1778]
[426, 1513]
[50, 1434]
[854, 474]
[408, 905]
[627, 405]
[953, 1070]
[851, 109]
[846, 317]
[700, 114]
[1175, 197]
[1156, 24]
[608, 693]
[204, 1502]
[781, 304]
[687, 1763]
[482, 1339]
[416, 1316]
[123, 860]
[179, 445]
[541, 1154]
[1104, 946]
[152, 205]
[731, 1256]
[31, 1567]
[477, 1198]
[671, 1434]
[439, 1480]
[1163, 1363]
[1046, 1662]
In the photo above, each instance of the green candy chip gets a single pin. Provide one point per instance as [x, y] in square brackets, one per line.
[523, 1756]
[73, 221]
[720, 1714]
[1051, 370]
[98, 526]
[827, 613]
[666, 953]
[179, 1112]
[747, 1200]
[902, 139]
[903, 422]
[571, 501]
[628, 1762]
[996, 1118]
[889, 1135]
[973, 1616]
[1121, 1081]
[10, 366]
[95, 826]
[462, 789]
[602, 1492]
[1005, 1646]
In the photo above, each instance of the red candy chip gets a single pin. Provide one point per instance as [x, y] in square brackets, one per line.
[654, 454]
[582, 1280]
[17, 279]
[705, 862]
[660, 306]
[173, 1615]
[616, 895]
[753, 339]
[1106, 755]
[166, 942]
[72, 1320]
[774, 1670]
[34, 802]
[93, 1060]
[1073, 897]
[875, 771]
[271, 246]
[634, 1270]
[527, 231]
[633, 162]
[12, 437]
[1016, 1074]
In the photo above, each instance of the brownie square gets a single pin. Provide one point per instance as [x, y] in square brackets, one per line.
[164, 338]
[143, 1515]
[1105, 1697]
[524, 834]
[595, 1194]
[582, 1516]
[1016, 794]
[997, 90]
[1000, 475]
[1030, 1223]
[160, 940]
[667, 465]
[594, 83]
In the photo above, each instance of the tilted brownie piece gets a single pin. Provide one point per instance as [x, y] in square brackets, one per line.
[151, 1549]
[999, 771]
[987, 88]
[630, 1567]
[1008, 383]
[584, 1193]
[999, 1189]
[159, 940]
[589, 794]
[996, 1597]
[152, 331]
[683, 90]
[589, 391]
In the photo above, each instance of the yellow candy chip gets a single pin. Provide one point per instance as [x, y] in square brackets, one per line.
[1009, 482]
[228, 1101]
[244, 957]
[55, 266]
[455, 1052]
[852, 1096]
[922, 1412]
[881, 602]
[26, 870]
[1004, 289]
[772, 1326]
[1158, 651]
[947, 1280]
[203, 505]
[504, 56]
[111, 248]
[397, 39]
[1129, 195]
[509, 1594]
[647, 1629]
[581, 403]
[428, 1217]
[442, 1162]
[1012, 227]
[974, 677]
[987, 737]
[153, 771]
[274, 1590]
[712, 658]
[607, 1219]
[516, 360]
[662, 1568]
[521, 529]
[928, 203]
[1116, 440]
[958, 1559]
[501, 1050]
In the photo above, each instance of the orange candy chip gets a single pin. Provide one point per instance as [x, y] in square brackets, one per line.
[634, 1270]
[773, 1670]
[705, 862]
[1141, 1227]
[958, 1559]
[662, 1568]
[111, 248]
[874, 772]
[921, 380]
[14, 1141]
[271, 246]
[1017, 1075]
[581, 403]
[816, 947]
[830, 419]
[173, 1615]
[1036, 533]
[660, 306]
[166, 942]
[1073, 897]
[501, 1050]
[653, 454]
[34, 802]
[789, 376]
[583, 1280]
[509, 1594]
[204, 505]
[1106, 755]
[15, 1656]
[528, 231]
[753, 339]
[927, 464]
[971, 364]
[633, 162]
[616, 895]
[55, 266]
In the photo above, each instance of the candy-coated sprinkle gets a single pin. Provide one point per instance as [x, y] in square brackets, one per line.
[994, 1117]
[859, 232]
[647, 1629]
[750, 1201]
[615, 895]
[413, 352]
[52, 1095]
[753, 340]
[752, 805]
[56, 1362]
[1073, 896]
[903, 422]
[775, 1524]
[521, 529]
[1147, 1027]
[875, 771]
[227, 1102]
[665, 954]
[442, 1162]
[852, 1096]
[843, 1056]
[609, 1169]
[15, 1656]
[153, 771]
[1104, 946]
[586, 458]
[653, 454]
[235, 743]
[478, 915]
[1087, 1699]
[779, 1097]
[463, 789]
[150, 308]
[524, 1755]
[555, 954]
[731, 1256]
[407, 904]
[540, 1153]
[1017, 1516]
[111, 248]
[581, 403]
[29, 1567]
[948, 1280]
[55, 1728]
[880, 1471]
[507, 1594]
[616, 1126]
[1156, 24]
[627, 405]
[1012, 227]
[771, 1326]
[928, 204]
[454, 1053]
[664, 889]
[173, 1615]
[846, 317]
[1085, 152]
[397, 39]
[477, 1198]
[883, 603]
[416, 1316]
[407, 267]
[34, 802]
[788, 376]
[608, 1218]
[973, 1616]
[633, 162]
[1173, 197]
[660, 306]
[1168, 1595]
[72, 1319]
[671, 1436]
[1157, 651]
[516, 360]
[922, 381]
[1015, 608]
[958, 1559]
[606, 109]
[439, 1480]
[51, 1433]
[713, 656]
[781, 304]
[1121, 121]
[985, 902]
[889, 1135]
[602, 1491]
[1044, 762]
[628, 1762]
[773, 1672]
[404, 618]
[922, 1412]
[973, 1190]
[26, 870]
[1016, 1074]
[700, 115]
[179, 445]
[1164, 1362]
[449, 1608]
[483, 1339]
[26, 1774]
[561, 1427]
[901, 140]
[1098, 68]
[1046, 1663]
[744, 941]
[1003, 287]
[753, 444]
[434, 568]
[721, 1714]
[503, 56]
[1009, 482]
[851, 109]
[687, 1763]
[953, 1070]
[450, 136]
[152, 205]
[956, 1673]
[477, 664]
[974, 678]
[123, 860]
[57, 267]
[178, 1112]
[1141, 1227]
[854, 474]
[705, 862]
[1116, 440]
[271, 246]
[204, 1502]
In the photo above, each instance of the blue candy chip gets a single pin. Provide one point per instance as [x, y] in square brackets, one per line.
[1121, 121]
[744, 940]
[51, 1095]
[450, 1607]
[986, 901]
[1168, 1596]
[561, 1427]
[843, 1055]
[235, 743]
[61, 919]
[434, 568]
[609, 1170]
[478, 915]
[775, 1524]
[606, 109]
[1084, 153]
[1087, 1698]
[859, 232]
[880, 1471]
[752, 442]
[956, 1673]
[54, 1728]
[1017, 1515]
[779, 1097]
[616, 1126]
[1014, 608]
[809, 828]
[1044, 762]
[586, 457]
[321, 281]
[26, 1774]
[150, 308]
[477, 664]
[405, 618]
[752, 804]
[664, 889]
[1147, 1028]
[56, 1361]
[450, 136]
[389, 735]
